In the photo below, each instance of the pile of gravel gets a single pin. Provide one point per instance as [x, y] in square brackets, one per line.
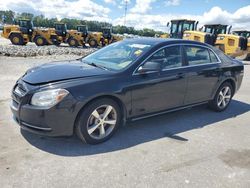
[32, 50]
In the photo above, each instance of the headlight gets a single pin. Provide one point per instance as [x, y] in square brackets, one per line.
[48, 98]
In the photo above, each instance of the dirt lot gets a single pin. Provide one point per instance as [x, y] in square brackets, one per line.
[189, 148]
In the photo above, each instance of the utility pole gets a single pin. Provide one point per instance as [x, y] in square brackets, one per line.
[126, 8]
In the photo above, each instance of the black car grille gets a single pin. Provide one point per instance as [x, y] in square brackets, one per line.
[18, 92]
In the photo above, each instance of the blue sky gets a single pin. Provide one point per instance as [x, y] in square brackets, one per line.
[141, 13]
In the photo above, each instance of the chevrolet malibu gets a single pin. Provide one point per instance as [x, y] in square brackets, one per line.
[126, 81]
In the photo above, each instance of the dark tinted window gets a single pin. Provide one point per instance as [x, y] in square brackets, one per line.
[197, 55]
[173, 57]
[169, 57]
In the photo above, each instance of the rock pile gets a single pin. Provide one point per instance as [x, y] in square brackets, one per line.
[33, 50]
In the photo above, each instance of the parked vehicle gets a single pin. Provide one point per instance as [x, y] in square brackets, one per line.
[125, 81]
[24, 32]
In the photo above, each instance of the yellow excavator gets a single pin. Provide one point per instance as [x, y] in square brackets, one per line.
[24, 32]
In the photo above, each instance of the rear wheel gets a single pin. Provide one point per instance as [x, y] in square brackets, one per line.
[222, 98]
[98, 121]
[73, 42]
[40, 41]
[93, 43]
[17, 39]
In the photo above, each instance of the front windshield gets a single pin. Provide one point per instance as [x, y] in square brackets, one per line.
[118, 55]
[188, 26]
[174, 28]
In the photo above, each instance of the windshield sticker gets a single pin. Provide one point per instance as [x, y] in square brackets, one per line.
[138, 52]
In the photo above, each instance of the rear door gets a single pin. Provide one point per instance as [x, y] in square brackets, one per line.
[203, 73]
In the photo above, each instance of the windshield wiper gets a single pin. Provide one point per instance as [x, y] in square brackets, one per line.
[99, 66]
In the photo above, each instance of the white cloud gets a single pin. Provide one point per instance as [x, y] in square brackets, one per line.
[142, 6]
[138, 16]
[81, 9]
[172, 2]
[238, 19]
[110, 1]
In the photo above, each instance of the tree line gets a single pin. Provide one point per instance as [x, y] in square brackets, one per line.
[9, 17]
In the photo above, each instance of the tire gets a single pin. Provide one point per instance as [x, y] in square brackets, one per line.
[17, 39]
[224, 93]
[93, 43]
[73, 42]
[40, 41]
[93, 130]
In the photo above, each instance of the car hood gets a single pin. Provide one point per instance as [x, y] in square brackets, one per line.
[60, 71]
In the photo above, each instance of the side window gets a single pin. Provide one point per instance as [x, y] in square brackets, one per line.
[173, 57]
[213, 57]
[169, 57]
[197, 55]
[158, 57]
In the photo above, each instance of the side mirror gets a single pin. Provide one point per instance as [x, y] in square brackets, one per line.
[167, 24]
[149, 67]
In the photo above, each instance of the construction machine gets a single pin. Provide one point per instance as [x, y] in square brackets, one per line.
[207, 34]
[242, 33]
[24, 32]
[74, 38]
[178, 27]
[214, 34]
[95, 39]
[77, 37]
[237, 46]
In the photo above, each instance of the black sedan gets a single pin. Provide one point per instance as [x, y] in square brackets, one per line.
[125, 81]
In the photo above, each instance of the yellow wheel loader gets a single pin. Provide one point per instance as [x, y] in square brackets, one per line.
[77, 37]
[19, 34]
[108, 37]
[178, 27]
[74, 38]
[24, 32]
[207, 34]
[235, 45]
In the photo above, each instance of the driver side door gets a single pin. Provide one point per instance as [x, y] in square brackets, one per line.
[156, 91]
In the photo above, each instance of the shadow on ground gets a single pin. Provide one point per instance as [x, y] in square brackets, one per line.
[160, 127]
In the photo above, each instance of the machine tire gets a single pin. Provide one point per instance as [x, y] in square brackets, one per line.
[243, 57]
[93, 43]
[17, 39]
[40, 41]
[73, 42]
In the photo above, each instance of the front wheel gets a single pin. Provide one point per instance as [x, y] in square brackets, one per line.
[98, 121]
[40, 41]
[222, 98]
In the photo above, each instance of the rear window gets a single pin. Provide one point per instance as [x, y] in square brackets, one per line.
[213, 57]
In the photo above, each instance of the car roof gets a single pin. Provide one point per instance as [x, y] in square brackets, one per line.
[162, 42]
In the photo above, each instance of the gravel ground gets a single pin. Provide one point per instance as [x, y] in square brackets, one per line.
[31, 50]
[189, 148]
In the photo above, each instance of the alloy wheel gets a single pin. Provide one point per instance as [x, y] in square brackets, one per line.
[102, 121]
[224, 97]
